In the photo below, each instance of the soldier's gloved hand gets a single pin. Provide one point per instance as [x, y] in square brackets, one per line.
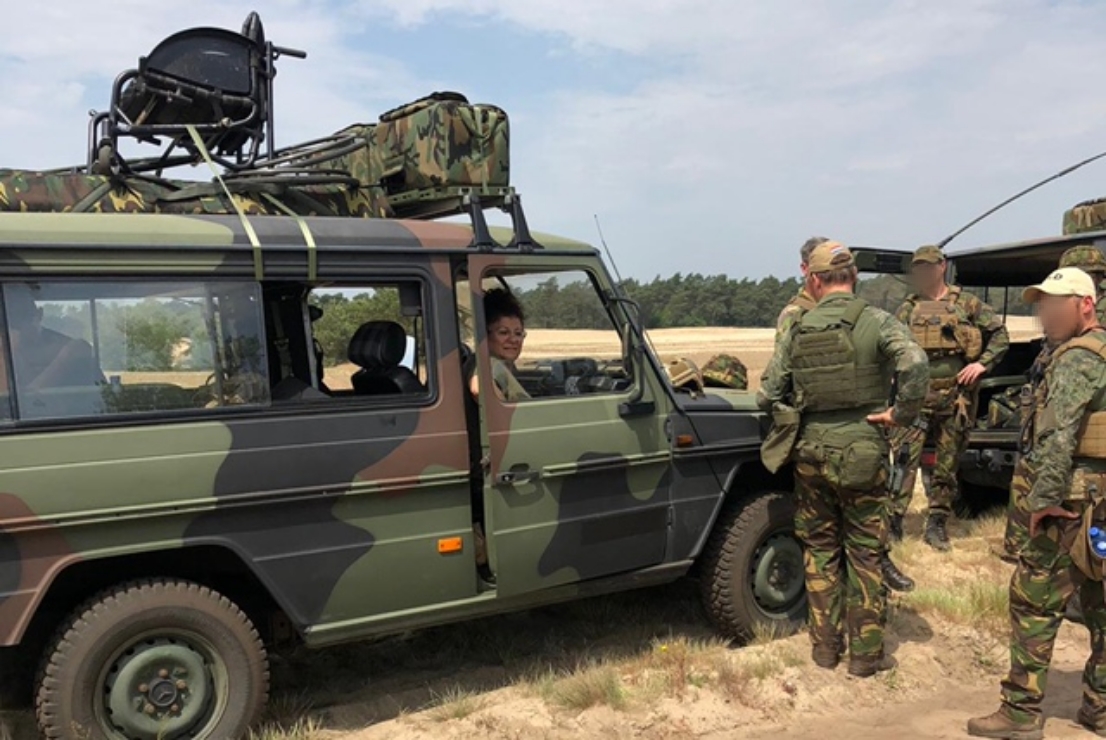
[1037, 518]
[970, 374]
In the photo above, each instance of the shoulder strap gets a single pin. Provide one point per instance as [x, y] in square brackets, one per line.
[1087, 342]
[852, 312]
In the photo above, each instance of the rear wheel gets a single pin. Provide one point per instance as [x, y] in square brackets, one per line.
[753, 578]
[154, 660]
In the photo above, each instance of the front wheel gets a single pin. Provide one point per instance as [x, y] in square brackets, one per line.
[154, 660]
[753, 578]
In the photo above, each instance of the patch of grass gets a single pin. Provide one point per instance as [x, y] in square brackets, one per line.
[456, 703]
[762, 665]
[766, 632]
[302, 729]
[585, 688]
[991, 524]
[982, 604]
[734, 679]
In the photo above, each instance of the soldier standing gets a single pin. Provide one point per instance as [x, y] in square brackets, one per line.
[1091, 261]
[834, 366]
[893, 578]
[803, 301]
[1066, 466]
[964, 339]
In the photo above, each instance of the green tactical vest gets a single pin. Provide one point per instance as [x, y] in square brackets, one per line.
[835, 362]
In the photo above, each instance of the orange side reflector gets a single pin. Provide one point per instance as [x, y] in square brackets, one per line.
[684, 440]
[447, 545]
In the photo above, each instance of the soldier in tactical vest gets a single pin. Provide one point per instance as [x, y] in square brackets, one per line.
[1065, 467]
[963, 338]
[893, 578]
[834, 367]
[1091, 261]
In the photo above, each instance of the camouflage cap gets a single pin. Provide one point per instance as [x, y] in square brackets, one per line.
[829, 256]
[1085, 257]
[929, 253]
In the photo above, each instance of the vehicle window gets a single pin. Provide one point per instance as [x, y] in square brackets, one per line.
[566, 343]
[370, 340]
[1007, 302]
[89, 349]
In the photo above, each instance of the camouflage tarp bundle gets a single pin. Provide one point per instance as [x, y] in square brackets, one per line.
[438, 141]
[1086, 216]
[21, 190]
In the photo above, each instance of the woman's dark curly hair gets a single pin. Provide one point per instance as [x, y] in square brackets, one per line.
[500, 303]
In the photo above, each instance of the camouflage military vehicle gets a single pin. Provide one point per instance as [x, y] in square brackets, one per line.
[997, 274]
[187, 480]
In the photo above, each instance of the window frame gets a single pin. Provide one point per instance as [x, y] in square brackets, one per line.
[121, 419]
[502, 274]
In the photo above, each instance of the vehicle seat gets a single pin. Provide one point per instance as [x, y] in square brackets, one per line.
[377, 347]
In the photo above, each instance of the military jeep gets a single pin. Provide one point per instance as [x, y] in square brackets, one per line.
[189, 476]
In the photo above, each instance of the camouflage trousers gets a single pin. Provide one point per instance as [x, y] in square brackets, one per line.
[1040, 589]
[843, 533]
[1017, 511]
[948, 432]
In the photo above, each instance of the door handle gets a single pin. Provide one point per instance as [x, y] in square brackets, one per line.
[516, 475]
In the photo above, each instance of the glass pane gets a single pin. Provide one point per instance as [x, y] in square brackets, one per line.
[348, 310]
[107, 348]
[566, 344]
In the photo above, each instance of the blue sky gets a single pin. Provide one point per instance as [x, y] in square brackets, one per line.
[710, 136]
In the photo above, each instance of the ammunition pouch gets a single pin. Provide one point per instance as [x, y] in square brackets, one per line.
[859, 465]
[937, 327]
[1082, 555]
[777, 447]
[970, 340]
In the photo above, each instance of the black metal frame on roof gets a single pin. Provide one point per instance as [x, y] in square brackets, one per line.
[521, 239]
[216, 80]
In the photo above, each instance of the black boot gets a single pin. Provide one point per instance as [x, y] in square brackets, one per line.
[896, 528]
[937, 535]
[894, 578]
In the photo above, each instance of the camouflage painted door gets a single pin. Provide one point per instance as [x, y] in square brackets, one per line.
[575, 488]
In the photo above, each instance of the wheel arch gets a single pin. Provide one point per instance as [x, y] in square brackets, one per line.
[211, 564]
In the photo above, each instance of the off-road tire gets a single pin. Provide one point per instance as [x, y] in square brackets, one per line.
[726, 574]
[69, 677]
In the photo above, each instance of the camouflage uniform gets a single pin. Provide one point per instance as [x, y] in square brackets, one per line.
[841, 459]
[950, 409]
[1091, 260]
[1046, 578]
[792, 312]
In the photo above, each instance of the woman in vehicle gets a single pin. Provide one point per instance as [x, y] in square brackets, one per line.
[506, 333]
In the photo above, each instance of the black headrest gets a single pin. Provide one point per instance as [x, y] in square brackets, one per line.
[377, 345]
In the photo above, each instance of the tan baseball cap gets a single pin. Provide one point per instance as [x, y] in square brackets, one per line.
[829, 256]
[1069, 281]
[929, 253]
